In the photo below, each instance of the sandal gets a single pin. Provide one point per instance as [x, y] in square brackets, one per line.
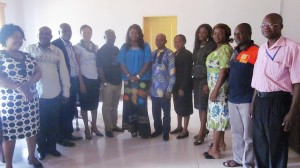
[231, 163]
[208, 156]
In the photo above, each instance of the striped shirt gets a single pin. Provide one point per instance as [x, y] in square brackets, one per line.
[277, 67]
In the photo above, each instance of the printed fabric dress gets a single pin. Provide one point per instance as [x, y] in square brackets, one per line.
[218, 115]
[20, 119]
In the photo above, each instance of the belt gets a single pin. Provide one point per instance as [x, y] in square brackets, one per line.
[272, 94]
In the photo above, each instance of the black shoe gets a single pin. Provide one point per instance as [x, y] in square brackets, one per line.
[118, 129]
[183, 135]
[155, 134]
[74, 138]
[41, 155]
[35, 163]
[177, 130]
[165, 137]
[109, 134]
[134, 134]
[66, 143]
[55, 153]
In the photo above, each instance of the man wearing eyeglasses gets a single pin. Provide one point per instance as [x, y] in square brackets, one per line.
[276, 81]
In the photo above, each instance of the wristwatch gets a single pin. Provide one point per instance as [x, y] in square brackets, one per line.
[105, 84]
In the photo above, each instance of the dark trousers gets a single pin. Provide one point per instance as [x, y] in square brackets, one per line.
[49, 124]
[68, 111]
[159, 103]
[270, 142]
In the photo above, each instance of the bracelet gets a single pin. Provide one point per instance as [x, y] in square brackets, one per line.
[138, 76]
[127, 75]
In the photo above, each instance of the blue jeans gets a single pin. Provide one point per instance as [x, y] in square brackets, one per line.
[159, 103]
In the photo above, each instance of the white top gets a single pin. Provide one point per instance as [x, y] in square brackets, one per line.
[55, 76]
[87, 60]
[72, 59]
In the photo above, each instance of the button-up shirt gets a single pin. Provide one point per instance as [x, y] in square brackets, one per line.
[55, 78]
[277, 67]
[71, 55]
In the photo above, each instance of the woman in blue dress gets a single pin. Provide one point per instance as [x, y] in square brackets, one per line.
[135, 62]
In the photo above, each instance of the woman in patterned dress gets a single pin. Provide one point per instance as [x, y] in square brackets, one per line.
[217, 64]
[18, 95]
[135, 62]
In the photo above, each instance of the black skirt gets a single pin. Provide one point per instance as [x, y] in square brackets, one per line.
[183, 105]
[90, 100]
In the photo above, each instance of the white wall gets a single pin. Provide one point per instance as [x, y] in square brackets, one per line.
[120, 14]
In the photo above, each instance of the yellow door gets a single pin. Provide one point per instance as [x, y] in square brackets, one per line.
[165, 24]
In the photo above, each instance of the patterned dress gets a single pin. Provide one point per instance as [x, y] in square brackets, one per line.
[20, 119]
[218, 116]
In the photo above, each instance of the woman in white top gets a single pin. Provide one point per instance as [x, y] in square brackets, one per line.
[88, 78]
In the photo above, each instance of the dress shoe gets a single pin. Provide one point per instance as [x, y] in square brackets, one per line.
[41, 155]
[118, 129]
[155, 134]
[165, 137]
[35, 163]
[55, 153]
[109, 134]
[66, 143]
[134, 134]
[74, 138]
[183, 135]
[176, 131]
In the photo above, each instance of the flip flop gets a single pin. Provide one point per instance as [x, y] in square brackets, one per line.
[231, 163]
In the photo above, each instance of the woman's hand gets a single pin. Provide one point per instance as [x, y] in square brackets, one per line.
[213, 95]
[82, 87]
[133, 79]
[24, 89]
[180, 93]
[205, 90]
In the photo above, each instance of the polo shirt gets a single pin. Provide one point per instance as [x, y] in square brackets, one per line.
[241, 71]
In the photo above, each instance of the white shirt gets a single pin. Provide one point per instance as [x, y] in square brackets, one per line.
[55, 77]
[87, 60]
[71, 55]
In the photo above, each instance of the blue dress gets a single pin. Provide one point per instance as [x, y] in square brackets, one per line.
[135, 112]
[20, 119]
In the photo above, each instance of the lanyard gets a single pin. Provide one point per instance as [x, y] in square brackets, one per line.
[272, 57]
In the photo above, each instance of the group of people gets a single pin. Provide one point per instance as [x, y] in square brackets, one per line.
[252, 90]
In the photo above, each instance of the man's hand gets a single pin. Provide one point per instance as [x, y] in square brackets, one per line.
[287, 121]
[65, 99]
[168, 95]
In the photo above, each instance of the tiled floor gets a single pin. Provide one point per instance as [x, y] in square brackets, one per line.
[122, 151]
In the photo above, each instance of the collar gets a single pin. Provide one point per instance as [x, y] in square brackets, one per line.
[248, 44]
[41, 48]
[280, 42]
[66, 43]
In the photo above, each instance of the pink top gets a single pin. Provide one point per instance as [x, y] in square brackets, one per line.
[277, 67]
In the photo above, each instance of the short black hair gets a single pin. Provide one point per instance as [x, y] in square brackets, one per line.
[84, 27]
[7, 30]
[247, 27]
[182, 37]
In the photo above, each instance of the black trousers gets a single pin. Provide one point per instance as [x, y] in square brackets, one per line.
[49, 120]
[68, 111]
[159, 103]
[270, 142]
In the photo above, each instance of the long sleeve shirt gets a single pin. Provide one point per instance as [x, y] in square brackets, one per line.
[55, 76]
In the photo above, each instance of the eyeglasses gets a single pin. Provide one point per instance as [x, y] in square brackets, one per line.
[271, 25]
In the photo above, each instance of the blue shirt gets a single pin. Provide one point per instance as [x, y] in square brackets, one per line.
[163, 72]
[134, 59]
